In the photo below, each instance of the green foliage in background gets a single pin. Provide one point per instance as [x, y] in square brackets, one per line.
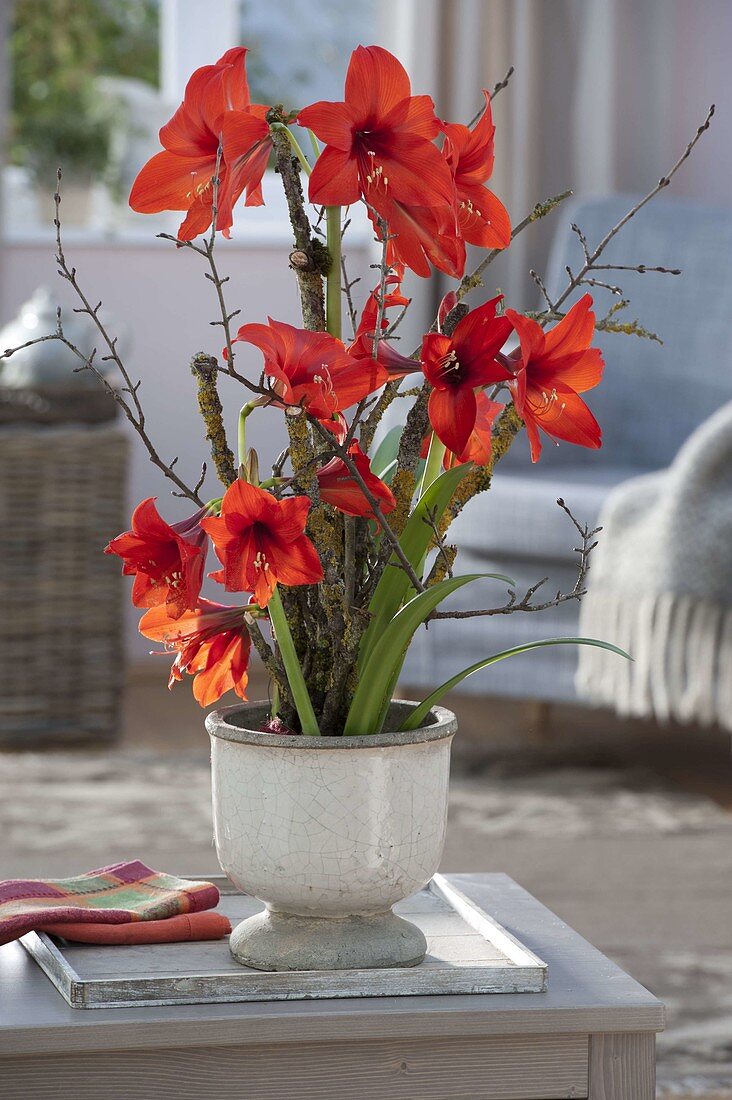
[57, 49]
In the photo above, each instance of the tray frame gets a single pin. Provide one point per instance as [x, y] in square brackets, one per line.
[523, 972]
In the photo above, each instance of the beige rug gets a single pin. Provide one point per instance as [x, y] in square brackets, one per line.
[63, 812]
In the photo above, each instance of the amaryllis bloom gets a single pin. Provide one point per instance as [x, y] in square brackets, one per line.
[212, 644]
[479, 447]
[378, 141]
[552, 369]
[261, 541]
[180, 178]
[482, 217]
[312, 369]
[396, 365]
[420, 236]
[166, 560]
[457, 365]
[339, 488]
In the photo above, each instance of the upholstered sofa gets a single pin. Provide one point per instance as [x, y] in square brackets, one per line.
[650, 400]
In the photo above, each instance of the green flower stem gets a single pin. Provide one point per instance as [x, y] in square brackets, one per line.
[298, 687]
[242, 432]
[314, 143]
[304, 164]
[433, 464]
[333, 281]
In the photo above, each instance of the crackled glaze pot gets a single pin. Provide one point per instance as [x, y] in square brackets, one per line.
[329, 832]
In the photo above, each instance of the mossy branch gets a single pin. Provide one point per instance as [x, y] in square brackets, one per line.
[204, 369]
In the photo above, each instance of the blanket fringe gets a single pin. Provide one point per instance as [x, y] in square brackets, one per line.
[682, 657]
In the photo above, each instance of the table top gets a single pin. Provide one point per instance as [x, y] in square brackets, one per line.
[586, 993]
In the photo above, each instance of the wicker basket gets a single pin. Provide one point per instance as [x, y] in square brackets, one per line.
[62, 497]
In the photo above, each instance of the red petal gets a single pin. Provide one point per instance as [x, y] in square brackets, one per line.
[452, 414]
[331, 122]
[435, 349]
[530, 334]
[574, 332]
[334, 179]
[420, 118]
[424, 235]
[483, 218]
[292, 517]
[246, 146]
[477, 340]
[168, 182]
[296, 562]
[375, 83]
[412, 170]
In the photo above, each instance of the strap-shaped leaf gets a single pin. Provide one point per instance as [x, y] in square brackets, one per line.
[395, 587]
[371, 700]
[383, 463]
[418, 715]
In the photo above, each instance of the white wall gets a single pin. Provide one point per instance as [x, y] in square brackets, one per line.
[163, 304]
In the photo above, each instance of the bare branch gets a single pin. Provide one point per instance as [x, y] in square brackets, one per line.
[470, 282]
[527, 603]
[132, 409]
[496, 89]
[591, 258]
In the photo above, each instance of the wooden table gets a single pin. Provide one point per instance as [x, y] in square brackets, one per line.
[591, 1035]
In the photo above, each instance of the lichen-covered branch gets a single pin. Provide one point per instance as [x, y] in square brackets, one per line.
[309, 259]
[204, 369]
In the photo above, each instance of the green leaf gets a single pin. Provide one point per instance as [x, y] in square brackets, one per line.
[373, 694]
[383, 463]
[418, 715]
[298, 687]
[395, 587]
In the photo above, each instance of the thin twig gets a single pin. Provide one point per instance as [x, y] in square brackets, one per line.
[496, 89]
[347, 287]
[470, 282]
[591, 258]
[526, 603]
[132, 407]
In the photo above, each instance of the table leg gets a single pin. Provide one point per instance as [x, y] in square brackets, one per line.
[622, 1066]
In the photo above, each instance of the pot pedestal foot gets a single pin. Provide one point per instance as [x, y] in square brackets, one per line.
[286, 941]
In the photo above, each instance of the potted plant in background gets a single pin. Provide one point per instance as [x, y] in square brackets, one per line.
[330, 800]
[62, 112]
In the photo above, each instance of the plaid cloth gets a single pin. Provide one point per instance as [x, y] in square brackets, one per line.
[118, 894]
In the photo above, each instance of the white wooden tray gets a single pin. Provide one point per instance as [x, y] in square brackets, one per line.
[467, 952]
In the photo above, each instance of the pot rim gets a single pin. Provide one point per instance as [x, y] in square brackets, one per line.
[443, 726]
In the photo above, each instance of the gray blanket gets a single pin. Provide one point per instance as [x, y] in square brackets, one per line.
[660, 586]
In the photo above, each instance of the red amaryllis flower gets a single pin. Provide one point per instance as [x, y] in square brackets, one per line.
[480, 445]
[261, 541]
[180, 177]
[552, 369]
[423, 235]
[378, 141]
[212, 644]
[482, 217]
[457, 365]
[396, 365]
[338, 486]
[312, 369]
[166, 560]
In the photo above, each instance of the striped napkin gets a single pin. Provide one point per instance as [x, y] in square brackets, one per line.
[120, 894]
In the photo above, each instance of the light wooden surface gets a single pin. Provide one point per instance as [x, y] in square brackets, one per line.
[418, 1069]
[467, 952]
[592, 1030]
[622, 1067]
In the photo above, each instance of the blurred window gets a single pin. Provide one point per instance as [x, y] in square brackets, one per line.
[300, 54]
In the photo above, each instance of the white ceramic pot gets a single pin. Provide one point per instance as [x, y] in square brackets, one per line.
[329, 832]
